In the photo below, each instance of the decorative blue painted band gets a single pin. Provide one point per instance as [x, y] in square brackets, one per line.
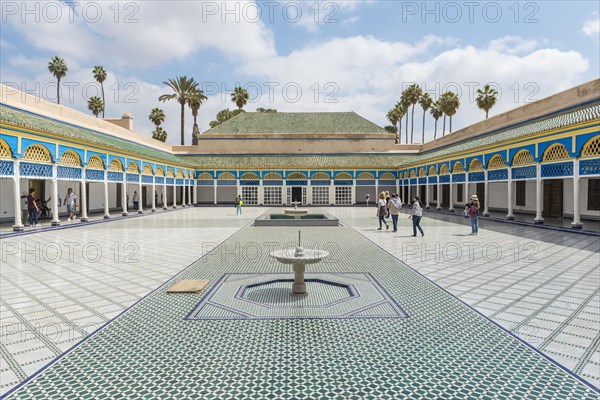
[558, 169]
[132, 178]
[589, 167]
[320, 182]
[476, 176]
[205, 182]
[413, 181]
[458, 177]
[70, 173]
[179, 181]
[170, 181]
[296, 183]
[422, 181]
[433, 179]
[7, 168]
[498, 174]
[390, 182]
[32, 169]
[249, 182]
[273, 183]
[227, 183]
[114, 176]
[94, 175]
[159, 179]
[365, 182]
[444, 178]
[523, 172]
[147, 179]
[343, 182]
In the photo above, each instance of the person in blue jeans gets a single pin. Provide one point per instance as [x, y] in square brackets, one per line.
[32, 208]
[395, 207]
[238, 205]
[473, 213]
[416, 214]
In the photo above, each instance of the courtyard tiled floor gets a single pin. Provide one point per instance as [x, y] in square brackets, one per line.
[541, 285]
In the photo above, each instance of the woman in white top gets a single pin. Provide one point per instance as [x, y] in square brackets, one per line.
[382, 211]
[416, 214]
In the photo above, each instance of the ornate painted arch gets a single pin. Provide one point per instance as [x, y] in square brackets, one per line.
[250, 176]
[556, 152]
[296, 176]
[343, 176]
[115, 165]
[322, 176]
[365, 176]
[226, 176]
[444, 170]
[5, 150]
[458, 168]
[591, 148]
[147, 170]
[170, 173]
[205, 176]
[133, 168]
[522, 157]
[422, 172]
[70, 158]
[432, 171]
[37, 153]
[95, 162]
[496, 162]
[475, 165]
[272, 176]
[387, 175]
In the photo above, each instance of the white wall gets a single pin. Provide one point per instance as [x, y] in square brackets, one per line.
[6, 198]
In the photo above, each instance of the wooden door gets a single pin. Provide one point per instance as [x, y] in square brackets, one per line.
[445, 195]
[553, 198]
[480, 191]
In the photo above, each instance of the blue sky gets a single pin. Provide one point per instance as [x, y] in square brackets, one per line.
[301, 56]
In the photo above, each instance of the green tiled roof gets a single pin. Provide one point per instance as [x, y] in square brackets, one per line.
[309, 122]
[70, 132]
[366, 161]
[571, 118]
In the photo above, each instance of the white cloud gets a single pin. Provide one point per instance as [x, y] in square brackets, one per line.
[513, 45]
[591, 28]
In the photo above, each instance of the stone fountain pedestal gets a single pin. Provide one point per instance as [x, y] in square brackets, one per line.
[295, 212]
[299, 258]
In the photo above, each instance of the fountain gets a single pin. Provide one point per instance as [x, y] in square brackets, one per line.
[295, 212]
[299, 257]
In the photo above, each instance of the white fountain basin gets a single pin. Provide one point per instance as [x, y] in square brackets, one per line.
[299, 257]
[296, 212]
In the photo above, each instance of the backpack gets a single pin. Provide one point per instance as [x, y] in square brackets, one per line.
[472, 211]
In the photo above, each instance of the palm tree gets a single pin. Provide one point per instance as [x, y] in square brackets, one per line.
[451, 104]
[393, 116]
[223, 116]
[436, 113]
[391, 129]
[100, 77]
[195, 101]
[240, 97]
[486, 99]
[58, 68]
[184, 88]
[95, 105]
[413, 94]
[404, 105]
[400, 111]
[157, 116]
[443, 105]
[159, 134]
[425, 101]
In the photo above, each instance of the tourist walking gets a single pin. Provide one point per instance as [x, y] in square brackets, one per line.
[71, 202]
[416, 214]
[473, 213]
[395, 206]
[238, 205]
[32, 208]
[367, 198]
[136, 200]
[24, 209]
[382, 211]
[387, 204]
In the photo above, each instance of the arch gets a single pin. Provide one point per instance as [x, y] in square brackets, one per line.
[413, 174]
[296, 176]
[422, 172]
[147, 170]
[343, 175]
[5, 150]
[522, 157]
[70, 158]
[556, 152]
[496, 162]
[115, 165]
[458, 168]
[365, 176]
[170, 173]
[205, 176]
[133, 168]
[475, 165]
[432, 171]
[591, 148]
[444, 170]
[226, 176]
[250, 176]
[322, 176]
[179, 175]
[272, 176]
[38, 153]
[387, 175]
[160, 171]
[95, 162]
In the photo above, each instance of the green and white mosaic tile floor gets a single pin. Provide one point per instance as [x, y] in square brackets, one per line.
[444, 349]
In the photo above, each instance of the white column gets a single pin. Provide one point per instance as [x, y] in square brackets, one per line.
[332, 192]
[215, 192]
[353, 193]
[174, 193]
[164, 193]
[106, 206]
[466, 192]
[510, 216]
[376, 191]
[451, 209]
[309, 198]
[401, 191]
[539, 194]
[84, 216]
[439, 195]
[576, 212]
[153, 196]
[140, 200]
[182, 193]
[55, 206]
[18, 226]
[427, 206]
[486, 192]
[189, 193]
[124, 199]
[418, 193]
[397, 187]
[195, 192]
